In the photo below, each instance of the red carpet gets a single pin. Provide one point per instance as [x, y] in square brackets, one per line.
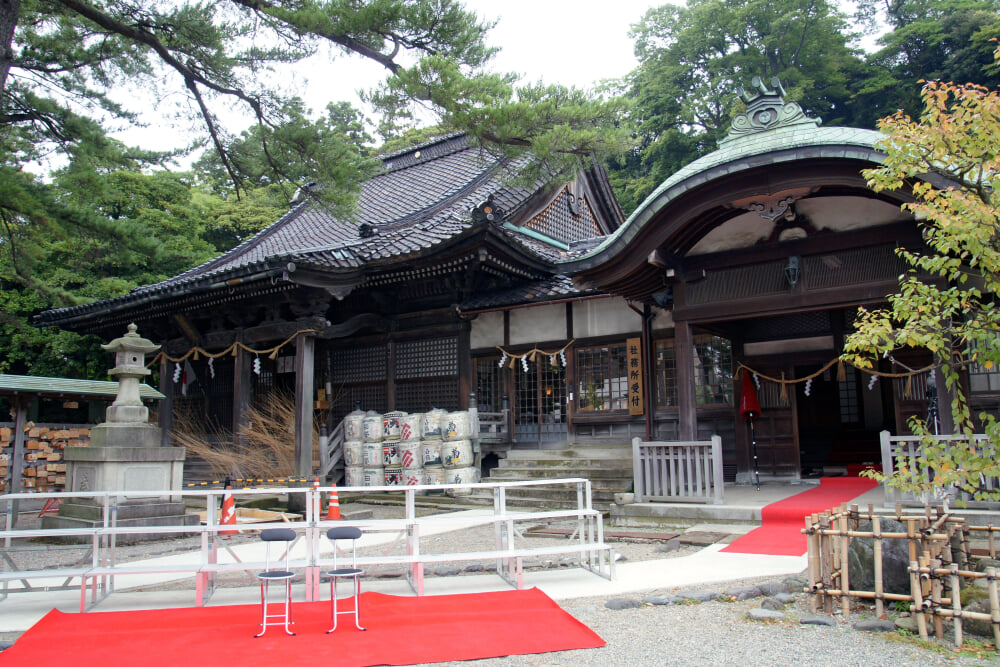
[401, 631]
[782, 522]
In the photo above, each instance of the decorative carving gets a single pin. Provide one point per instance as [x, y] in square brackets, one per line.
[488, 210]
[766, 110]
[772, 210]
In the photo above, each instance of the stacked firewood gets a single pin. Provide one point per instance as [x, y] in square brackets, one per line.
[44, 468]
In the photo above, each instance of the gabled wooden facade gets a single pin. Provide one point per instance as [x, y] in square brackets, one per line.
[543, 301]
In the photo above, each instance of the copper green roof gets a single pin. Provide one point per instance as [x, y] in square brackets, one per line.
[12, 385]
[771, 132]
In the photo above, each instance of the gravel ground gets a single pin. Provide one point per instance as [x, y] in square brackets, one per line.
[706, 633]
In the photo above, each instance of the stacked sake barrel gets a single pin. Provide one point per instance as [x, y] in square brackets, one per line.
[372, 429]
[392, 428]
[411, 458]
[430, 447]
[457, 456]
[354, 462]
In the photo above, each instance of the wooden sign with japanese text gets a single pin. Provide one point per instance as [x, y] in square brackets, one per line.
[634, 356]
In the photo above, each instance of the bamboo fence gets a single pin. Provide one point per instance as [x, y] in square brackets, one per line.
[940, 560]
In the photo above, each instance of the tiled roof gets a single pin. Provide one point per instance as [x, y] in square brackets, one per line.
[422, 197]
[556, 287]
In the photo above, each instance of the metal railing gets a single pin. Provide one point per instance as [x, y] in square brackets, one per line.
[95, 575]
[678, 471]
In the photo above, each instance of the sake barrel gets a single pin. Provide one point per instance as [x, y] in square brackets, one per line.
[430, 451]
[409, 427]
[466, 475]
[371, 428]
[390, 453]
[413, 476]
[374, 477]
[355, 475]
[354, 454]
[434, 475]
[457, 426]
[430, 425]
[393, 476]
[352, 425]
[457, 454]
[410, 454]
[371, 454]
[391, 426]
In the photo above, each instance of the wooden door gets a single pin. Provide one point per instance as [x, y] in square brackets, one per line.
[775, 431]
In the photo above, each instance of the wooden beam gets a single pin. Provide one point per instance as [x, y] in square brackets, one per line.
[166, 407]
[242, 384]
[687, 409]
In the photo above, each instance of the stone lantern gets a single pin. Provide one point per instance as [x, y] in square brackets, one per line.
[125, 454]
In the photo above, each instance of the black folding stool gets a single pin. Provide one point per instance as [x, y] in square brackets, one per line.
[352, 572]
[272, 536]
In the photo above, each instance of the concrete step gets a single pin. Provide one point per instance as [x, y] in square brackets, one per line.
[575, 452]
[616, 483]
[557, 464]
[559, 473]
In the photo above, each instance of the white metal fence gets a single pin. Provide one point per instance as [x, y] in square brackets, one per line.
[95, 576]
[678, 471]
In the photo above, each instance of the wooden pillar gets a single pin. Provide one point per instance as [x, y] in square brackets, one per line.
[166, 407]
[649, 370]
[305, 346]
[687, 410]
[944, 397]
[242, 390]
[466, 373]
[390, 375]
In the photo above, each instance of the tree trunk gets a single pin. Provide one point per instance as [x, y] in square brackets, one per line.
[8, 21]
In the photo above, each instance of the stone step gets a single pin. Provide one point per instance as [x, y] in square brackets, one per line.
[510, 472]
[618, 483]
[558, 464]
[540, 503]
[576, 452]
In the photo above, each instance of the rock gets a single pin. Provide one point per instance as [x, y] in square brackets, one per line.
[475, 567]
[772, 588]
[772, 604]
[908, 623]
[622, 603]
[785, 598]
[765, 615]
[744, 593]
[698, 596]
[795, 583]
[818, 620]
[659, 600]
[447, 571]
[670, 545]
[895, 560]
[4, 645]
[389, 574]
[619, 558]
[987, 562]
[874, 625]
[973, 626]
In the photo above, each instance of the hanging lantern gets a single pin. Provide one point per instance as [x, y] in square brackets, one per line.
[749, 405]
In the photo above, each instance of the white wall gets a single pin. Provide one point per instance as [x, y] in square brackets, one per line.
[538, 324]
[487, 330]
[604, 317]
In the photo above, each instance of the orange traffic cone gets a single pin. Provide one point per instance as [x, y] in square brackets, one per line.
[228, 511]
[333, 509]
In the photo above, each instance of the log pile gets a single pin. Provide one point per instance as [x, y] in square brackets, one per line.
[44, 468]
[943, 568]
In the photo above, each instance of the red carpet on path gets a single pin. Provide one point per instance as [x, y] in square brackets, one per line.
[401, 631]
[780, 533]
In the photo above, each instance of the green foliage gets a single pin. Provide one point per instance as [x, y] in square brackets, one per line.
[947, 303]
[694, 57]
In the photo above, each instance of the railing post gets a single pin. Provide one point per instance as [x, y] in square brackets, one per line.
[887, 467]
[717, 478]
[637, 473]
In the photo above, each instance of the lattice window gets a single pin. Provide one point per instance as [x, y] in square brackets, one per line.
[346, 397]
[540, 401]
[602, 374]
[850, 404]
[713, 370]
[981, 377]
[422, 395]
[489, 384]
[359, 364]
[427, 358]
[666, 373]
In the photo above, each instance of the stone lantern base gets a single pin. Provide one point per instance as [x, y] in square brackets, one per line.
[123, 469]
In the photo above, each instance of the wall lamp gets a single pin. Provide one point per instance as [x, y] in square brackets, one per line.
[792, 271]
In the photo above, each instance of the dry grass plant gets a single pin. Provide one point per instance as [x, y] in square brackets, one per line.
[265, 448]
